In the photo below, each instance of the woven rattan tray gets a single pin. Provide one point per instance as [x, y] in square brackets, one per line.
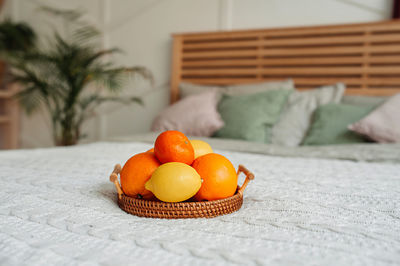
[167, 210]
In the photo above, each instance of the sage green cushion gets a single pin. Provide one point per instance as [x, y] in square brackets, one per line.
[364, 100]
[251, 116]
[330, 124]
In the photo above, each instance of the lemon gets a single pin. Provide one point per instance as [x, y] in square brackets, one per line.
[174, 182]
[200, 148]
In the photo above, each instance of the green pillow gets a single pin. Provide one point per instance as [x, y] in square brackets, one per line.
[251, 116]
[330, 123]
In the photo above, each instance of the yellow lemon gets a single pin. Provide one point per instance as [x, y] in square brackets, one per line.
[200, 148]
[174, 182]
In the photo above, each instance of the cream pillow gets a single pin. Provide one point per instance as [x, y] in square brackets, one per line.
[194, 115]
[383, 124]
[295, 119]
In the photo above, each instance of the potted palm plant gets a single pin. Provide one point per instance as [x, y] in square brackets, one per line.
[71, 76]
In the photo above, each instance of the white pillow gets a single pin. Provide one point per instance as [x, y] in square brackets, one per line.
[295, 119]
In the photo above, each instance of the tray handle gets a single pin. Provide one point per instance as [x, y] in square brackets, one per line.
[249, 176]
[114, 179]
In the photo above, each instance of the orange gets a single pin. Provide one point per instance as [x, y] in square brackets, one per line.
[151, 150]
[219, 177]
[136, 172]
[173, 146]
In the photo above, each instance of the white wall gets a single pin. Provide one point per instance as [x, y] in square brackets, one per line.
[142, 28]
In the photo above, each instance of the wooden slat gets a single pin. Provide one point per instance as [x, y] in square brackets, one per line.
[282, 71]
[218, 37]
[312, 61]
[376, 39]
[383, 59]
[373, 91]
[333, 71]
[383, 27]
[331, 41]
[384, 81]
[336, 29]
[314, 41]
[220, 54]
[281, 62]
[314, 82]
[293, 61]
[294, 71]
[333, 50]
[359, 91]
[312, 51]
[216, 63]
[294, 52]
[194, 72]
[384, 49]
[383, 70]
[325, 81]
[223, 45]
[274, 52]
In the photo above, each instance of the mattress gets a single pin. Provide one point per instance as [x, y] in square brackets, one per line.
[57, 207]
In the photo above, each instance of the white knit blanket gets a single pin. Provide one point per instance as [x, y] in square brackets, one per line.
[57, 207]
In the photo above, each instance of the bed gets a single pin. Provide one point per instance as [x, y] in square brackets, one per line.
[331, 205]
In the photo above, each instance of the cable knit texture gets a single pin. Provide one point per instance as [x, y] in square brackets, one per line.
[57, 207]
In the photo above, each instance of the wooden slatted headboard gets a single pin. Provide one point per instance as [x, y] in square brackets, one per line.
[366, 57]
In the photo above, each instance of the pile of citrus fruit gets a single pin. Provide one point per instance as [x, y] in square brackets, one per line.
[178, 169]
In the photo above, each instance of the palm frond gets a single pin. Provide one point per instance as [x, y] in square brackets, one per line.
[142, 71]
[16, 36]
[111, 79]
[85, 34]
[30, 99]
[97, 99]
[92, 57]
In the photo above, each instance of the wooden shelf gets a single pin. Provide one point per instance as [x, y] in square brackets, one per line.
[4, 119]
[9, 119]
[6, 94]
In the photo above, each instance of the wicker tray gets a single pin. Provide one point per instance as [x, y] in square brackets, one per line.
[167, 210]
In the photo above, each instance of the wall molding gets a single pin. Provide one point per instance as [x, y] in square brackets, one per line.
[14, 9]
[225, 14]
[362, 6]
[101, 121]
